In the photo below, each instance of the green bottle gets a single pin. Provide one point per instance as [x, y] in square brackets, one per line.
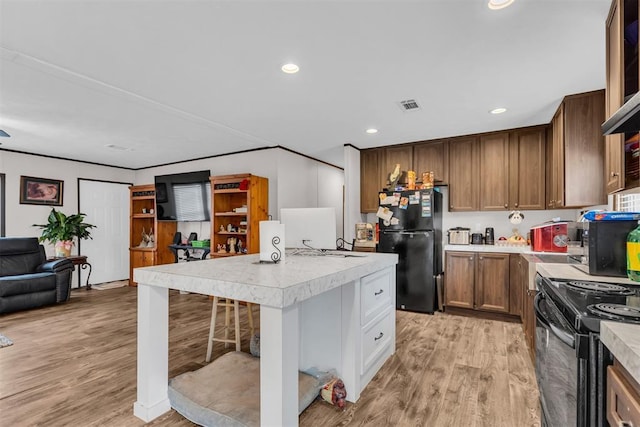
[633, 254]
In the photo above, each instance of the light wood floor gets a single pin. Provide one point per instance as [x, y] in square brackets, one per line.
[75, 365]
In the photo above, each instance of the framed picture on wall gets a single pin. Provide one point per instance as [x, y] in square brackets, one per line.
[40, 191]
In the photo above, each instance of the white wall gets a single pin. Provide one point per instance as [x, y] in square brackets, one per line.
[19, 218]
[294, 181]
[352, 213]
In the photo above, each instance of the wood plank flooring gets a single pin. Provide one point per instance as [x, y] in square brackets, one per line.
[75, 364]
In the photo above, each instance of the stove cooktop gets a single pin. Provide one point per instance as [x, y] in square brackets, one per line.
[586, 303]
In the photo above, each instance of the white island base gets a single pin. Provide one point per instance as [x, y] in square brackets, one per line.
[315, 311]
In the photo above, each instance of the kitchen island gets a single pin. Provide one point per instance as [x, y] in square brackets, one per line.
[331, 311]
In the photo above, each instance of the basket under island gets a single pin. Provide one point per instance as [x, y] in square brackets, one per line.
[331, 311]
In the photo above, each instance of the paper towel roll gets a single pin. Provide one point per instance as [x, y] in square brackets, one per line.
[271, 241]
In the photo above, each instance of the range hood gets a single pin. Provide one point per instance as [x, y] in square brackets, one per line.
[626, 119]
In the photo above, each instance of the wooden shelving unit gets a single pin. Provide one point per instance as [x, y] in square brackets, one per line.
[142, 202]
[232, 192]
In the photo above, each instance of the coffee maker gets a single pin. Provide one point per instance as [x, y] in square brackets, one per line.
[488, 236]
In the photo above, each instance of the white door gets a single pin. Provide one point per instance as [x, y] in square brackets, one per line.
[106, 205]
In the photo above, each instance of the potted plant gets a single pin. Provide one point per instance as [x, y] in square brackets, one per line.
[61, 229]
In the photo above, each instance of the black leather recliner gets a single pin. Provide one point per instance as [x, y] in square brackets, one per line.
[27, 280]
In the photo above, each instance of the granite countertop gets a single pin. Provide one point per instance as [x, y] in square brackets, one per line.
[623, 340]
[280, 285]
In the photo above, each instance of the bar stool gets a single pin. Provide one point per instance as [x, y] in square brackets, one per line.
[228, 304]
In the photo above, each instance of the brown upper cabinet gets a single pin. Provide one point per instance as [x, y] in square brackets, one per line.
[527, 168]
[371, 178]
[377, 163]
[494, 171]
[432, 156]
[576, 171]
[614, 98]
[394, 155]
[463, 174]
[512, 170]
[622, 170]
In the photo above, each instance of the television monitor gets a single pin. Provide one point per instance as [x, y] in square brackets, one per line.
[183, 196]
[309, 227]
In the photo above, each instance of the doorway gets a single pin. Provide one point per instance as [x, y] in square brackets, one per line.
[106, 205]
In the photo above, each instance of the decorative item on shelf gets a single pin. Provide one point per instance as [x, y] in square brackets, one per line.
[230, 228]
[239, 247]
[411, 180]
[222, 228]
[231, 243]
[241, 209]
[244, 184]
[427, 180]
[394, 176]
[62, 228]
[221, 248]
[147, 239]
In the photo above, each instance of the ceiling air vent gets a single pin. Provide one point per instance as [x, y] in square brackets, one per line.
[409, 105]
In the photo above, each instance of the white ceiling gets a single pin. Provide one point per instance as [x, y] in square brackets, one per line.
[176, 80]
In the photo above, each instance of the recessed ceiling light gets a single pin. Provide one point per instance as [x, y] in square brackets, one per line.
[498, 110]
[371, 131]
[499, 4]
[290, 68]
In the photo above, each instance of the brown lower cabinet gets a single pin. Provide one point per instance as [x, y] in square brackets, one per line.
[528, 315]
[478, 281]
[623, 397]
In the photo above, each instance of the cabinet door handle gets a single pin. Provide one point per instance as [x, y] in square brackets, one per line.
[379, 337]
[480, 258]
[615, 174]
[506, 206]
[470, 258]
[378, 293]
[516, 205]
[625, 424]
[450, 206]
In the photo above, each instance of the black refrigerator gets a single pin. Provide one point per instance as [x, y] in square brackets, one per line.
[414, 232]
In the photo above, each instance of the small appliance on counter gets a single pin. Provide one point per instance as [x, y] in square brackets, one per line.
[552, 236]
[489, 236]
[459, 236]
[476, 239]
[605, 246]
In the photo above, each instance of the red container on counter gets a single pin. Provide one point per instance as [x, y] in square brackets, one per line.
[550, 237]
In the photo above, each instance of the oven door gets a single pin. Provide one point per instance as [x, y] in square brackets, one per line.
[556, 365]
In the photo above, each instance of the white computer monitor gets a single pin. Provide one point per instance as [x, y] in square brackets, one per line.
[309, 227]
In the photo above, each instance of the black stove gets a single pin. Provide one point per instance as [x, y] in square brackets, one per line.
[585, 303]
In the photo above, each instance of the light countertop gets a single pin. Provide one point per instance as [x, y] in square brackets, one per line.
[572, 272]
[623, 340]
[280, 285]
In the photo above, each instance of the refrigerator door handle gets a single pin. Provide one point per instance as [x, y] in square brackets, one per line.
[440, 292]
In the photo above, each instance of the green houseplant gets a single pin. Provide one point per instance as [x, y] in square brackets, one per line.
[61, 229]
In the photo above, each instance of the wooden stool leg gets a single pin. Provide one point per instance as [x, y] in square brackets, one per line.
[212, 327]
[227, 321]
[250, 316]
[236, 315]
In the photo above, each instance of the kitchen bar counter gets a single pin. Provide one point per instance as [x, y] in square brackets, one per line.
[623, 340]
[311, 314]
